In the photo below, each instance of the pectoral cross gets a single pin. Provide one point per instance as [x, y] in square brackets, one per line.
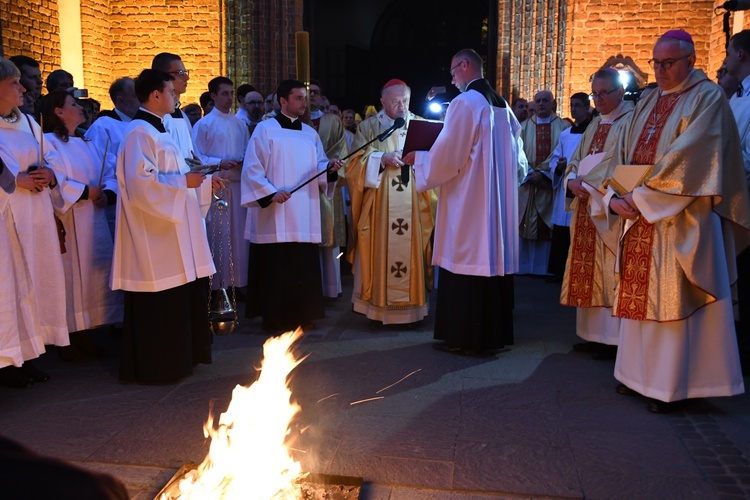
[651, 133]
[596, 149]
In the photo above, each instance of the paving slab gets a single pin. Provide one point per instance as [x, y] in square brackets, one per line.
[537, 421]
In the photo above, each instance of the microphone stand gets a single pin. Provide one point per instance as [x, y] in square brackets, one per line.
[396, 125]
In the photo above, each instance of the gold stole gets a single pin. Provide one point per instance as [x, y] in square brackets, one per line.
[401, 226]
[637, 245]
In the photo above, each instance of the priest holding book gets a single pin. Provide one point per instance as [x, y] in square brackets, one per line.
[475, 162]
[682, 228]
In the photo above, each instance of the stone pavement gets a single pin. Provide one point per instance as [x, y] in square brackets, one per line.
[538, 421]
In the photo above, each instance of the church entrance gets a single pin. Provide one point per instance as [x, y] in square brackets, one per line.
[358, 46]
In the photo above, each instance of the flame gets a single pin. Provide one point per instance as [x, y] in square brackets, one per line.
[248, 457]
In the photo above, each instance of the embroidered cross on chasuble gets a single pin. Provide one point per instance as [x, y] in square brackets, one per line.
[400, 236]
[635, 262]
[543, 142]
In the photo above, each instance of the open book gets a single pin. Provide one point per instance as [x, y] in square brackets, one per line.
[628, 177]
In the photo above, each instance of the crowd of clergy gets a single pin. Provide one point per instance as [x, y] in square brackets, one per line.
[135, 218]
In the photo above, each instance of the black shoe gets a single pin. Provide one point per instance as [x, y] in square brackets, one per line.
[12, 376]
[587, 347]
[625, 390]
[445, 347]
[607, 352]
[655, 406]
[33, 372]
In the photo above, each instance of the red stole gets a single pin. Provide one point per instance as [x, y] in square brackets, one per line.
[600, 138]
[635, 266]
[582, 257]
[543, 142]
[583, 240]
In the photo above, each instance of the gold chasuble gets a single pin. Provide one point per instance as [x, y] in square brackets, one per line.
[332, 219]
[391, 227]
[535, 202]
[666, 268]
[589, 279]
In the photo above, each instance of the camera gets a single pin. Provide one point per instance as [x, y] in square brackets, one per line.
[79, 93]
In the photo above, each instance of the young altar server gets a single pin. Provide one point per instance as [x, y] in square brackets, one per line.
[161, 258]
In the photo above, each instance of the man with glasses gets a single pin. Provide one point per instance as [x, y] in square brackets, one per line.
[476, 228]
[589, 280]
[682, 229]
[177, 123]
[253, 106]
[540, 135]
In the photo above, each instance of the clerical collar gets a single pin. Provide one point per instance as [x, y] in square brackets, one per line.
[579, 128]
[542, 121]
[288, 122]
[474, 80]
[122, 116]
[612, 116]
[149, 117]
[314, 115]
[679, 87]
[177, 113]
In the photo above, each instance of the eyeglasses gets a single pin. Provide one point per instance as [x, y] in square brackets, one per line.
[665, 64]
[601, 95]
[453, 69]
[181, 72]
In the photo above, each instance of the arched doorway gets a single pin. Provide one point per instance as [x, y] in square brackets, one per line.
[355, 49]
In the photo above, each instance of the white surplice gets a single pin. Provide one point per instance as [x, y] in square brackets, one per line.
[31, 214]
[181, 132]
[219, 136]
[20, 339]
[565, 148]
[476, 229]
[161, 238]
[281, 159]
[88, 259]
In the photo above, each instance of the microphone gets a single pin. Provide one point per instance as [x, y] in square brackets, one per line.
[735, 5]
[397, 124]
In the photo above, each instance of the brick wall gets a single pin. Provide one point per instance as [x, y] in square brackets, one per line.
[531, 47]
[273, 24]
[97, 49]
[31, 28]
[599, 29]
[140, 29]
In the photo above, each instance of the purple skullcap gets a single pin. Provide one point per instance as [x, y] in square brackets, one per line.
[679, 35]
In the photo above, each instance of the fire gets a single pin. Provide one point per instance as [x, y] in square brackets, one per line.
[248, 457]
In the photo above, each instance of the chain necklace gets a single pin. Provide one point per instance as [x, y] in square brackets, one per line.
[11, 118]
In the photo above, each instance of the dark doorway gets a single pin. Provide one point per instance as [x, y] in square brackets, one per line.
[356, 46]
